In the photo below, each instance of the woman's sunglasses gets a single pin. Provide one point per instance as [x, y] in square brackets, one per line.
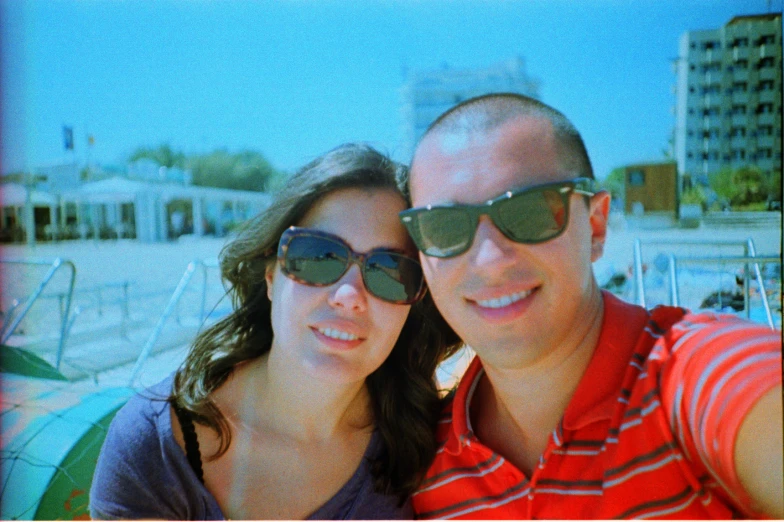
[316, 258]
[530, 215]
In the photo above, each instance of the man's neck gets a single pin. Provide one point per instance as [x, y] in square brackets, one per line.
[514, 411]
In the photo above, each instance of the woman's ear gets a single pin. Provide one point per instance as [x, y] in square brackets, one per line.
[269, 273]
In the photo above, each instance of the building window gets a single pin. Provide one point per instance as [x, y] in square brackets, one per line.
[713, 88]
[636, 178]
[740, 42]
[738, 109]
[740, 87]
[711, 111]
[768, 61]
[765, 153]
[766, 39]
[766, 85]
[738, 154]
[765, 130]
[737, 132]
[741, 64]
[764, 108]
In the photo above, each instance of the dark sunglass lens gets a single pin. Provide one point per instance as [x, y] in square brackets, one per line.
[443, 232]
[392, 277]
[534, 216]
[316, 260]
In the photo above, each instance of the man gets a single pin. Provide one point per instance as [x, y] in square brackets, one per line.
[578, 405]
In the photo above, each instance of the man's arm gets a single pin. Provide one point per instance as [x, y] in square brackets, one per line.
[759, 454]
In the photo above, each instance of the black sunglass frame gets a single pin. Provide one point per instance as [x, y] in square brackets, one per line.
[353, 257]
[580, 185]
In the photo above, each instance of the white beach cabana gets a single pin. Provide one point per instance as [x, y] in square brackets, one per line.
[151, 211]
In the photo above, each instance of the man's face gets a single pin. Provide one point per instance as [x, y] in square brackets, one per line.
[513, 303]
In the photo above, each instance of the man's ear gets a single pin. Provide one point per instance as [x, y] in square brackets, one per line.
[269, 274]
[600, 212]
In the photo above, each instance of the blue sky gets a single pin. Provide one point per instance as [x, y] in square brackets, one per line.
[292, 79]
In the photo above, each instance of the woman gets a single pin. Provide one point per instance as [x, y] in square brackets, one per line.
[316, 397]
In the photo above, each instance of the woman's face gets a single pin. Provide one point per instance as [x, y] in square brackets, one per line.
[341, 332]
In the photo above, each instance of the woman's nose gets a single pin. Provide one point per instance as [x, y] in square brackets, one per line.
[349, 292]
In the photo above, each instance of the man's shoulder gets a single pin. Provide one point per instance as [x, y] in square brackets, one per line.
[445, 426]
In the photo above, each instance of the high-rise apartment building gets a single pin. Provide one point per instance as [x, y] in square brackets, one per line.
[728, 97]
[427, 94]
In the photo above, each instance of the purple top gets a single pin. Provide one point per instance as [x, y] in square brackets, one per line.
[143, 473]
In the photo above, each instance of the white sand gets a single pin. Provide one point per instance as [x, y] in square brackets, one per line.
[153, 270]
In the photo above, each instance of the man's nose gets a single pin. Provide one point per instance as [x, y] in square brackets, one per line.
[491, 248]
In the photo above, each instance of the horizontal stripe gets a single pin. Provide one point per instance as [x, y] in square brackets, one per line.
[643, 469]
[568, 483]
[477, 504]
[572, 492]
[669, 502]
[452, 475]
[640, 459]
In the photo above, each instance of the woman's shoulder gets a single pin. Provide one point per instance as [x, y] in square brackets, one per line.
[144, 419]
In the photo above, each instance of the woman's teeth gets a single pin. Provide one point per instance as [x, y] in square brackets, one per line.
[337, 334]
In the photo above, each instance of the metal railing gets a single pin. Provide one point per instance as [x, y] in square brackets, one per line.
[14, 318]
[171, 307]
[749, 257]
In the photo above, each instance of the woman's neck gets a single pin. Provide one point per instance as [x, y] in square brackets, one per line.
[269, 394]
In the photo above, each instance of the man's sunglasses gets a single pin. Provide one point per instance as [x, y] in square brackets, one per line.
[316, 258]
[530, 215]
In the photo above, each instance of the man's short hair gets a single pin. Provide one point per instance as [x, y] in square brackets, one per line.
[488, 112]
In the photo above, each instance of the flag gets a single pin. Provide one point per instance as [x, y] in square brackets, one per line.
[90, 140]
[68, 138]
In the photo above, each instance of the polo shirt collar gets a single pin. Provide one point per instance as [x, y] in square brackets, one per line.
[597, 393]
[461, 430]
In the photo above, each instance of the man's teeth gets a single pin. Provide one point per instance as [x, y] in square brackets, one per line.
[337, 334]
[506, 300]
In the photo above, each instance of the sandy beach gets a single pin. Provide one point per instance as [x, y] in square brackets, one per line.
[152, 271]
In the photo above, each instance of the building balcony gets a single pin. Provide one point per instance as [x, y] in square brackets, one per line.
[768, 118]
[740, 98]
[738, 142]
[740, 75]
[768, 73]
[768, 142]
[740, 53]
[768, 96]
[739, 120]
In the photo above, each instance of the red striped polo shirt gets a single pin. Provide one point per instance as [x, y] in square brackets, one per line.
[649, 432]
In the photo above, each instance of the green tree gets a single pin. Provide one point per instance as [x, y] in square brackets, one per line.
[723, 184]
[163, 155]
[740, 187]
[615, 183]
[246, 170]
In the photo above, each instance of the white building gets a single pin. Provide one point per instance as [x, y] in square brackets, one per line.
[121, 208]
[427, 94]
